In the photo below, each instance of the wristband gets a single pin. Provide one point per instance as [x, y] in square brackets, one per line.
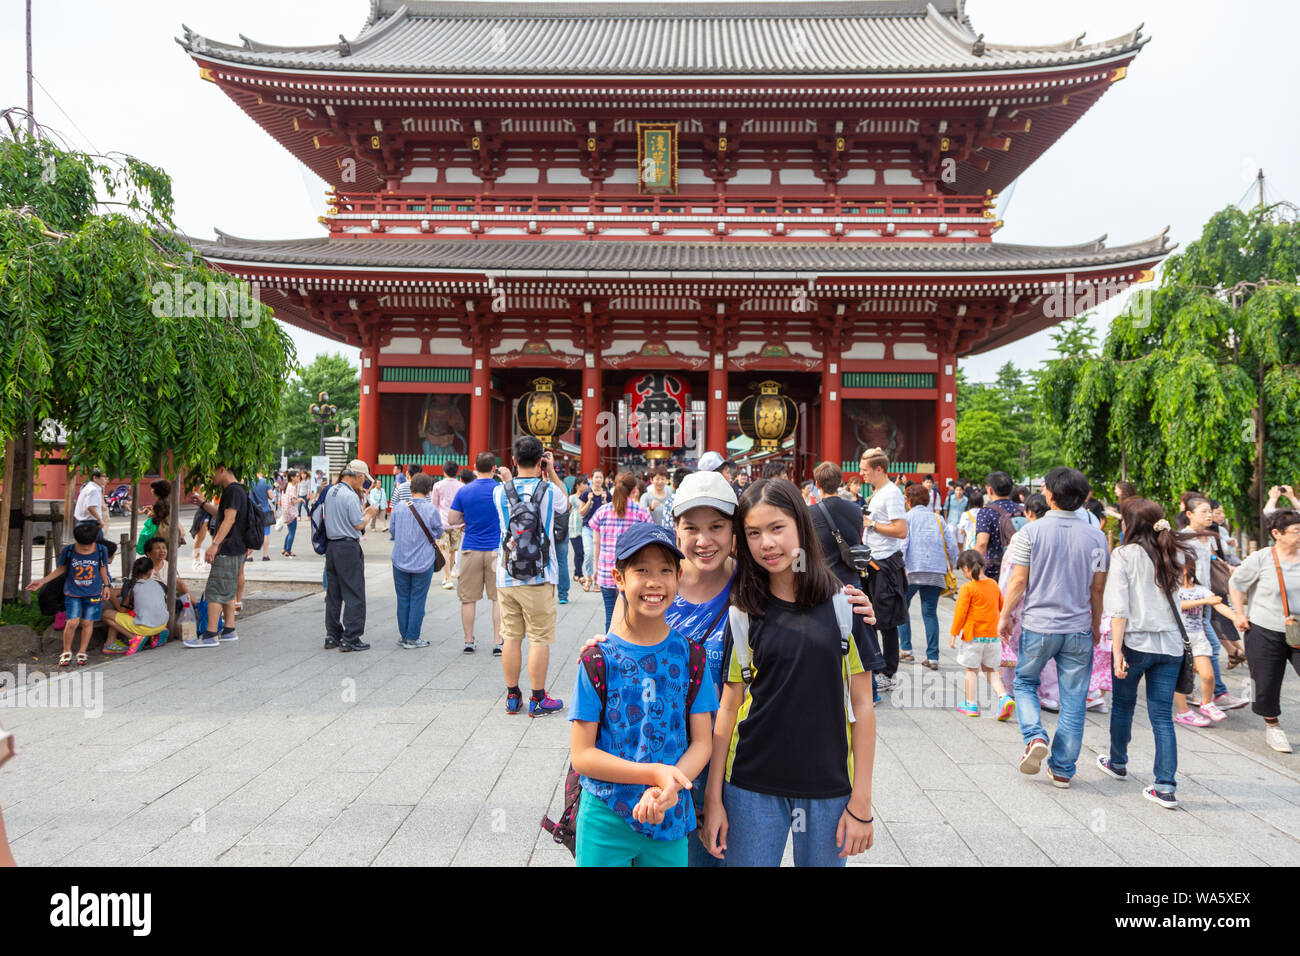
[856, 817]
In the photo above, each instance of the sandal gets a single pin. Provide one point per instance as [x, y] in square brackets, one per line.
[905, 656]
[82, 660]
[65, 658]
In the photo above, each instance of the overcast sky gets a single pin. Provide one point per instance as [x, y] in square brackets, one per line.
[1209, 100]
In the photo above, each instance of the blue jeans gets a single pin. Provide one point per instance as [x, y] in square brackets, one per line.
[562, 557]
[696, 855]
[412, 591]
[1073, 656]
[929, 614]
[758, 824]
[288, 538]
[1161, 671]
[611, 598]
[1220, 687]
[588, 553]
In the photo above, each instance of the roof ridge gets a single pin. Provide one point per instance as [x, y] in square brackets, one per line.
[635, 9]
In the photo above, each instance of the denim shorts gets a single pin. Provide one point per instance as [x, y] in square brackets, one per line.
[85, 608]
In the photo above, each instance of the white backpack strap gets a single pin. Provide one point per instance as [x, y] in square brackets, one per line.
[738, 623]
[844, 617]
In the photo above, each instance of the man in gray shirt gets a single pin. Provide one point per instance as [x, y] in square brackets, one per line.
[345, 565]
[1058, 567]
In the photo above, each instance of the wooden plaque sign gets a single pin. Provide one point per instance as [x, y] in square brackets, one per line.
[656, 157]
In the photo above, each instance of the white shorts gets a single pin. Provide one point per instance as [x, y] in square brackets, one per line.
[1201, 646]
[980, 652]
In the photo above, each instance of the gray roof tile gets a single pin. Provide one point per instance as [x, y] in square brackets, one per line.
[452, 255]
[653, 39]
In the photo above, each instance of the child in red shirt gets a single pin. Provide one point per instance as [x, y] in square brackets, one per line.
[979, 603]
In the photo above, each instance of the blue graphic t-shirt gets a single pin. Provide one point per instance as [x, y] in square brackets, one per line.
[645, 722]
[691, 620]
[82, 579]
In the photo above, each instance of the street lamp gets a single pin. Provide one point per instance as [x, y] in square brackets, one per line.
[322, 413]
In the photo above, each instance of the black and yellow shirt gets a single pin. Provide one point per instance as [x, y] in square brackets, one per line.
[792, 735]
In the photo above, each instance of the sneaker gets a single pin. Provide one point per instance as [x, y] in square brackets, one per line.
[1103, 764]
[448, 585]
[117, 647]
[969, 708]
[1050, 705]
[1213, 712]
[1032, 760]
[227, 636]
[1006, 707]
[547, 705]
[1275, 737]
[886, 683]
[1058, 781]
[468, 648]
[202, 642]
[1228, 702]
[513, 703]
[563, 600]
[930, 665]
[1161, 798]
[418, 642]
[1097, 705]
[1191, 718]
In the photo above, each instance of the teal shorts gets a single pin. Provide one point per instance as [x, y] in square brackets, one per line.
[604, 839]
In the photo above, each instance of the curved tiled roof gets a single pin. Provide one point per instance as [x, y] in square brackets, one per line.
[583, 257]
[834, 37]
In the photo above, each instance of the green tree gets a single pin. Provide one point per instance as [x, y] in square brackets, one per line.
[116, 329]
[1173, 401]
[333, 374]
[984, 444]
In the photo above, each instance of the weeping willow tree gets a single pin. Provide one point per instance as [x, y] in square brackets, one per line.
[114, 328]
[1197, 385]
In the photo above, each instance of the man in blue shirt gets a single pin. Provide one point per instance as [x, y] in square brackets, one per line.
[473, 509]
[528, 604]
[262, 498]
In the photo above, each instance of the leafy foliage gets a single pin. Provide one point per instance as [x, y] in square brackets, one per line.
[89, 342]
[333, 374]
[1173, 400]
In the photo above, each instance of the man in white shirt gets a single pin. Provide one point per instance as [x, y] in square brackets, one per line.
[885, 530]
[90, 501]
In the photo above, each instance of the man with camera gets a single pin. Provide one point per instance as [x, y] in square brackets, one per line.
[885, 522]
[527, 506]
[345, 564]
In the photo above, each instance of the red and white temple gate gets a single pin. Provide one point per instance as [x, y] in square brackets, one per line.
[800, 192]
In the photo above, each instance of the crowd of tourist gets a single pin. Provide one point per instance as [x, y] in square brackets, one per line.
[737, 609]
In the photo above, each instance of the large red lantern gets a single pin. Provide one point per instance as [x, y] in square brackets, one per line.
[657, 404]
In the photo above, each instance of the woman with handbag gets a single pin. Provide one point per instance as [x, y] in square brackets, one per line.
[1147, 640]
[1270, 579]
[929, 555]
[416, 527]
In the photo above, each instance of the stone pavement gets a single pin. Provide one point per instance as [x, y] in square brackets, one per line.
[271, 750]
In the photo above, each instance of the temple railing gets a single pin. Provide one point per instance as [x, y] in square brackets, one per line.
[751, 215]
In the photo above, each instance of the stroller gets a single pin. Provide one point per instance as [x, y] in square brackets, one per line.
[117, 500]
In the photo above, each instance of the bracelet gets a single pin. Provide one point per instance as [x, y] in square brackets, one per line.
[855, 816]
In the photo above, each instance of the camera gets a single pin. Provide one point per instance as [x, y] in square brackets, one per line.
[860, 558]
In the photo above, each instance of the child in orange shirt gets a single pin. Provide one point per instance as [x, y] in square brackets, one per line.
[979, 603]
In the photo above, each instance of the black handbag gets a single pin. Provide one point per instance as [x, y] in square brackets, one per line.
[1186, 673]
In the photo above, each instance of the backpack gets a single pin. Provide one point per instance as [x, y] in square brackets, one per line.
[319, 543]
[1006, 523]
[565, 830]
[527, 545]
[561, 528]
[738, 625]
[251, 524]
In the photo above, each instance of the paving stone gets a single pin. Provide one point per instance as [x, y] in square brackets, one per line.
[354, 837]
[1074, 847]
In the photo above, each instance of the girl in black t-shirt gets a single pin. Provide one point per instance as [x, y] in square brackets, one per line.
[786, 744]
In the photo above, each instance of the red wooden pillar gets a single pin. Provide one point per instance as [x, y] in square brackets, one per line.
[831, 418]
[592, 404]
[368, 427]
[480, 397]
[946, 417]
[715, 408]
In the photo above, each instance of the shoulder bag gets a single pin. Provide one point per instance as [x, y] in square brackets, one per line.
[438, 559]
[949, 578]
[1292, 625]
[1188, 671]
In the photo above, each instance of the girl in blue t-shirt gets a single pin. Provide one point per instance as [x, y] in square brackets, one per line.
[634, 747]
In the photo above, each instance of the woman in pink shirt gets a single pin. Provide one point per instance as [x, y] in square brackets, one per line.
[606, 526]
[444, 493]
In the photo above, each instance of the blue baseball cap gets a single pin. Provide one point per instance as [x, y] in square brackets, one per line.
[643, 534]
